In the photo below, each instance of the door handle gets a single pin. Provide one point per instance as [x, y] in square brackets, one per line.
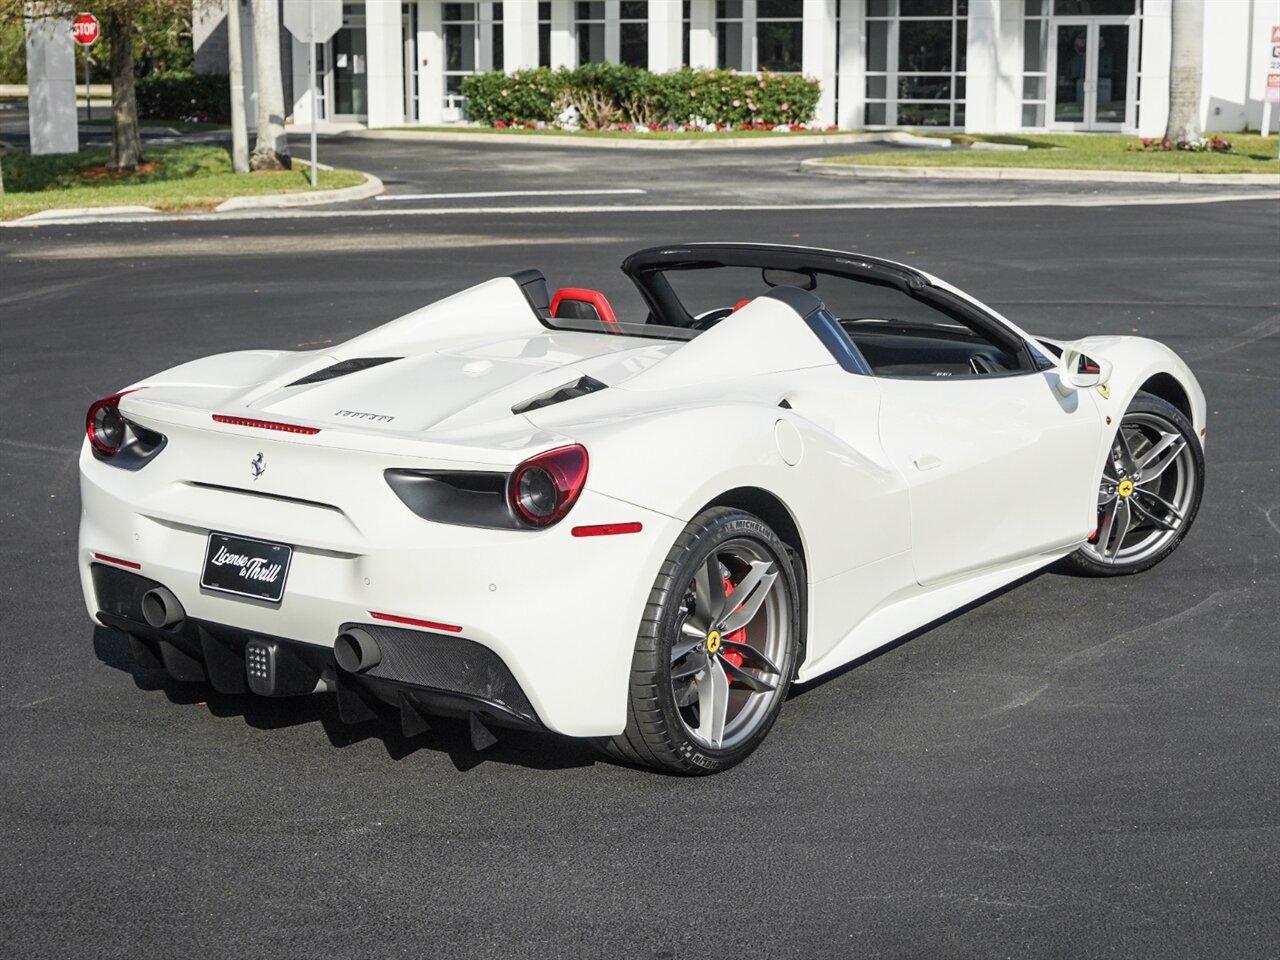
[926, 461]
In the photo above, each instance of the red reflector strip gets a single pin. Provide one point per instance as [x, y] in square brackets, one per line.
[410, 621]
[117, 561]
[607, 529]
[265, 424]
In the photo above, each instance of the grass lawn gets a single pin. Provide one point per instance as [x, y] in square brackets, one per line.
[631, 134]
[174, 178]
[1250, 153]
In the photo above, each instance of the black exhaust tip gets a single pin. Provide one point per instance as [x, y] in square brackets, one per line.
[356, 651]
[160, 608]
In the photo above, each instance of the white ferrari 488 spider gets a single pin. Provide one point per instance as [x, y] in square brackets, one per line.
[519, 509]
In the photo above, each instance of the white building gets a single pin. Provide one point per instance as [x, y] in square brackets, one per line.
[980, 65]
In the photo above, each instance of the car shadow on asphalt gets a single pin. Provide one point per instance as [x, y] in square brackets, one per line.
[800, 689]
[451, 737]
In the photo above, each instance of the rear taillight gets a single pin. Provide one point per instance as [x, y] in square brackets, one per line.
[105, 425]
[545, 487]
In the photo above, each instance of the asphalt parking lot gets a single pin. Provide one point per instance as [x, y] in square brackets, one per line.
[1072, 768]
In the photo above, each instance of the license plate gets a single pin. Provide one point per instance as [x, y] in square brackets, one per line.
[246, 567]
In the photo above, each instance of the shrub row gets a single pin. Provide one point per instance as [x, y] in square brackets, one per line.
[184, 96]
[609, 95]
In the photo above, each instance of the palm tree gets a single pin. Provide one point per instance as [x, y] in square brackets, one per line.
[1186, 71]
[271, 148]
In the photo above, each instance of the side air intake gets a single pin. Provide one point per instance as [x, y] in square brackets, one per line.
[342, 368]
[579, 388]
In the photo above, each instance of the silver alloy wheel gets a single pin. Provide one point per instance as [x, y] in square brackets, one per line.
[725, 682]
[1148, 486]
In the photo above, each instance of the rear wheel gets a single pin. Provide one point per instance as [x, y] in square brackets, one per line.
[717, 648]
[1149, 491]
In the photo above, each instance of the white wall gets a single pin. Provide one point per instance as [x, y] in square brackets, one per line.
[819, 55]
[51, 87]
[994, 64]
[384, 36]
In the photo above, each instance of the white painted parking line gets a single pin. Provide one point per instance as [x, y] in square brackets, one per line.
[510, 193]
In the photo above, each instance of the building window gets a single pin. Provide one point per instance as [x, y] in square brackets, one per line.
[780, 35]
[731, 52]
[1035, 63]
[588, 26]
[544, 33]
[633, 33]
[472, 44]
[461, 39]
[917, 54]
[684, 34]
[1093, 8]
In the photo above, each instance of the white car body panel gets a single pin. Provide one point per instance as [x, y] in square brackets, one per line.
[887, 545]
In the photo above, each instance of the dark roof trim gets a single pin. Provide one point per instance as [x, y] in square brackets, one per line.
[693, 256]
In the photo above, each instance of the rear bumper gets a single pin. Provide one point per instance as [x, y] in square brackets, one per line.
[436, 674]
[558, 613]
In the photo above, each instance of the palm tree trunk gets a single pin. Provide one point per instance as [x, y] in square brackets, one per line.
[1186, 71]
[271, 148]
[126, 143]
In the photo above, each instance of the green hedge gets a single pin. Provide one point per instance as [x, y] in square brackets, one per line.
[184, 96]
[612, 95]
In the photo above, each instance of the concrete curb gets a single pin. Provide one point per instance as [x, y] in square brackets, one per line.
[77, 213]
[604, 143]
[371, 187]
[826, 168]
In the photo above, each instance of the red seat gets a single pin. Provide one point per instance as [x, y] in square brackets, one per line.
[575, 303]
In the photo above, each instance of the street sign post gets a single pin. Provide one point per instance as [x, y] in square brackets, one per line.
[85, 31]
[312, 22]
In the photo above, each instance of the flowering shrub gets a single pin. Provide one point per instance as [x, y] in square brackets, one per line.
[1213, 144]
[613, 96]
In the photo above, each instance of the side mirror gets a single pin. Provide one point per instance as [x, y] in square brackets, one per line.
[1077, 371]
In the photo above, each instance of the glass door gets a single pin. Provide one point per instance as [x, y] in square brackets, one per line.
[350, 72]
[1093, 66]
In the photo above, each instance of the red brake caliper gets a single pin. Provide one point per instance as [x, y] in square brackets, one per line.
[738, 636]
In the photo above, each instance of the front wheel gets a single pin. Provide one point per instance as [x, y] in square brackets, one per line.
[1149, 491]
[717, 648]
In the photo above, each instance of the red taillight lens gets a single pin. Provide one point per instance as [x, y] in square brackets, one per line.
[105, 425]
[545, 487]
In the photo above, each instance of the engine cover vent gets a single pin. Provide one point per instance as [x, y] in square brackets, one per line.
[342, 368]
[578, 388]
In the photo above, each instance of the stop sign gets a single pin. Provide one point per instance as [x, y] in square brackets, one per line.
[84, 29]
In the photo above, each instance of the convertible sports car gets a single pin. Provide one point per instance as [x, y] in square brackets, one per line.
[523, 510]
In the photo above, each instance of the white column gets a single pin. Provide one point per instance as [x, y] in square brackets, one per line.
[519, 35]
[702, 33]
[851, 83]
[563, 51]
[1007, 105]
[1157, 42]
[612, 32]
[819, 55]
[384, 64]
[666, 35]
[430, 63]
[51, 86]
[983, 65]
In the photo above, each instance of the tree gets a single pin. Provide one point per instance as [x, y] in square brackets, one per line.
[271, 147]
[1186, 71]
[126, 140]
[121, 18]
